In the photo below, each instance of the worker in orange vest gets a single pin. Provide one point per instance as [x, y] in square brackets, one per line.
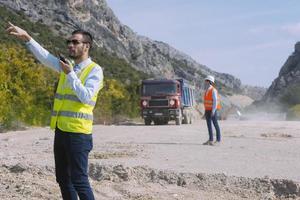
[212, 105]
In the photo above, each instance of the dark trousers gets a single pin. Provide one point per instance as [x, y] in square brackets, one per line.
[214, 119]
[71, 152]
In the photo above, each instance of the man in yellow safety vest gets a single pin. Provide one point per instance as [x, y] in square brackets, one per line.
[72, 115]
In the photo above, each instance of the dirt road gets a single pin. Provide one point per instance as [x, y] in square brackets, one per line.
[256, 160]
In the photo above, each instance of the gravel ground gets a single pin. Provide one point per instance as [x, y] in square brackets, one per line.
[256, 160]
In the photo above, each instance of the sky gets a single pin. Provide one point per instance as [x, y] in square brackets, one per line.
[250, 39]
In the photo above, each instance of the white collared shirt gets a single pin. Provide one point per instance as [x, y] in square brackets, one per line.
[83, 91]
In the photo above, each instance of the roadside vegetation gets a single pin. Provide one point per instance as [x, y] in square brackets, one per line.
[291, 101]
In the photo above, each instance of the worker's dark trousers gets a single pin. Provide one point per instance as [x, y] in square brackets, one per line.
[214, 119]
[71, 152]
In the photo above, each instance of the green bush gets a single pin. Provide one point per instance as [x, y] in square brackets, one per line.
[292, 96]
[27, 88]
[294, 113]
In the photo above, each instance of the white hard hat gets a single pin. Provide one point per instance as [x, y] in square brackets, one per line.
[210, 78]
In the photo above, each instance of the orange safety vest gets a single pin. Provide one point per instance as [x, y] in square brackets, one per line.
[208, 99]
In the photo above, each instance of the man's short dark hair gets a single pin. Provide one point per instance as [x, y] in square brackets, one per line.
[88, 38]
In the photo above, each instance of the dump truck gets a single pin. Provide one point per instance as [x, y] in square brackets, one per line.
[163, 100]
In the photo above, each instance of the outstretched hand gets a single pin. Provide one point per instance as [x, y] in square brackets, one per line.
[18, 32]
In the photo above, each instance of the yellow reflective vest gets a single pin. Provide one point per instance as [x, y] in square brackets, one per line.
[69, 114]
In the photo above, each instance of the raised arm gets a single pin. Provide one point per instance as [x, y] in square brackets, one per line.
[18, 32]
[36, 49]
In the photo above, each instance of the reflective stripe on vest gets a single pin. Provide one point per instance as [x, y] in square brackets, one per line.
[208, 99]
[69, 113]
[72, 97]
[73, 114]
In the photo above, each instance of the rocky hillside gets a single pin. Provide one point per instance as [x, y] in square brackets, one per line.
[254, 92]
[285, 88]
[153, 57]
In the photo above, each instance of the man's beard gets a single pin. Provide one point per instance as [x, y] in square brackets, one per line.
[73, 57]
[76, 56]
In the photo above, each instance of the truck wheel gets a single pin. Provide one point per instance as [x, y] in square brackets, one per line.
[191, 119]
[185, 119]
[147, 122]
[178, 121]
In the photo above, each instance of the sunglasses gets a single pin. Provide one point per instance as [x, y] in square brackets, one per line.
[74, 42]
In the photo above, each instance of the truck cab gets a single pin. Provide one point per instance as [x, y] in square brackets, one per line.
[163, 100]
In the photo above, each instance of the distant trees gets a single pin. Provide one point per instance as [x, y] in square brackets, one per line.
[291, 100]
[115, 101]
[291, 96]
[26, 89]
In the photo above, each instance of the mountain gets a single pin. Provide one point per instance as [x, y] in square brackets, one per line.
[285, 89]
[153, 57]
[254, 92]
